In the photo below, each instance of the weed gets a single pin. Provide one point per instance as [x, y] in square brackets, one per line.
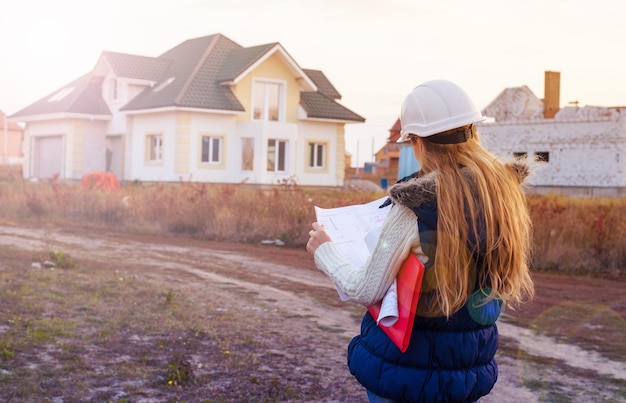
[62, 260]
[169, 297]
[34, 203]
[7, 354]
[38, 335]
[179, 371]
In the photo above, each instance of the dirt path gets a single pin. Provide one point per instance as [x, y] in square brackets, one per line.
[290, 283]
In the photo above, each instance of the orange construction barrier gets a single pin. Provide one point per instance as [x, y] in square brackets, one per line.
[100, 180]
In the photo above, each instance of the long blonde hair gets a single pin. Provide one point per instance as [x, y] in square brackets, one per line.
[493, 204]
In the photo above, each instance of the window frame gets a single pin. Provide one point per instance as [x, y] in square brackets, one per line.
[158, 148]
[542, 156]
[277, 156]
[282, 91]
[210, 152]
[310, 164]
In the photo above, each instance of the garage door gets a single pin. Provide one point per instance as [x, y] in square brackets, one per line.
[47, 157]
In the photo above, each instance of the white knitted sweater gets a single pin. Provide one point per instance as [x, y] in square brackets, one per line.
[367, 285]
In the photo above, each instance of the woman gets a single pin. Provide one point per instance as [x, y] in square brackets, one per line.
[465, 216]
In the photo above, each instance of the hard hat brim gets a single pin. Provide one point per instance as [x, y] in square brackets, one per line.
[419, 131]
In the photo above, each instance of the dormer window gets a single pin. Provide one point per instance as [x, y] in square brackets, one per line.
[61, 94]
[164, 84]
[267, 100]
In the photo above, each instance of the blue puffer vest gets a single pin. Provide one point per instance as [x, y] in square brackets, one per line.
[448, 359]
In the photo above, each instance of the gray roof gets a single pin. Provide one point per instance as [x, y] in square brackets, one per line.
[322, 83]
[239, 60]
[193, 68]
[193, 74]
[81, 96]
[320, 106]
[139, 67]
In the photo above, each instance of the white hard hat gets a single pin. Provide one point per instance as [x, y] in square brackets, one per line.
[434, 107]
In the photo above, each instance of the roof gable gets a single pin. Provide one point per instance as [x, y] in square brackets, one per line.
[190, 79]
[240, 60]
[514, 104]
[243, 61]
[394, 132]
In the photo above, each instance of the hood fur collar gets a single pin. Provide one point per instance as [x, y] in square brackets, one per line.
[419, 190]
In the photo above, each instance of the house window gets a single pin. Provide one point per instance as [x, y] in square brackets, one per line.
[164, 84]
[520, 154]
[154, 148]
[61, 94]
[276, 155]
[267, 100]
[317, 155]
[542, 156]
[211, 150]
[247, 154]
[113, 89]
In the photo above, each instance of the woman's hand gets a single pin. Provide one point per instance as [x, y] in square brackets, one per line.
[317, 237]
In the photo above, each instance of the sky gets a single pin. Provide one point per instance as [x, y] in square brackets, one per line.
[374, 52]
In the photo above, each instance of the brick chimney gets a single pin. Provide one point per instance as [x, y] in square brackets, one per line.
[552, 94]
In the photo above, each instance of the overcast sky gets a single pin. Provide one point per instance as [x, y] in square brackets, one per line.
[374, 52]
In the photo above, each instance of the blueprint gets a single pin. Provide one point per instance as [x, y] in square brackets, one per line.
[355, 230]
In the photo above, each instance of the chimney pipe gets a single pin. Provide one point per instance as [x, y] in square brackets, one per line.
[552, 94]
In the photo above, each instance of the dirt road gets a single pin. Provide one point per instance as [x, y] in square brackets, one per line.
[282, 283]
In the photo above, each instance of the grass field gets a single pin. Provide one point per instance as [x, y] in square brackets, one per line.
[108, 316]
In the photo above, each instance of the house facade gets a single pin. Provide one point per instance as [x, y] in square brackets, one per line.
[207, 110]
[580, 150]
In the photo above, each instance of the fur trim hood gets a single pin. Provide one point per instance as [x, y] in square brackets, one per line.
[419, 190]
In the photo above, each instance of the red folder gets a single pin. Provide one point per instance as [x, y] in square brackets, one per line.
[409, 287]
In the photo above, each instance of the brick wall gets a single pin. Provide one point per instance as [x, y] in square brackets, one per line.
[583, 152]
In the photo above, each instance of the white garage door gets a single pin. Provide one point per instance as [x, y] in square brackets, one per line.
[48, 156]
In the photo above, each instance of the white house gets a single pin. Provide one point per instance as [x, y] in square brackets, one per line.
[206, 110]
[582, 149]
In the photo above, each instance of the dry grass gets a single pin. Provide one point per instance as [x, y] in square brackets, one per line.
[239, 213]
[579, 235]
[572, 234]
